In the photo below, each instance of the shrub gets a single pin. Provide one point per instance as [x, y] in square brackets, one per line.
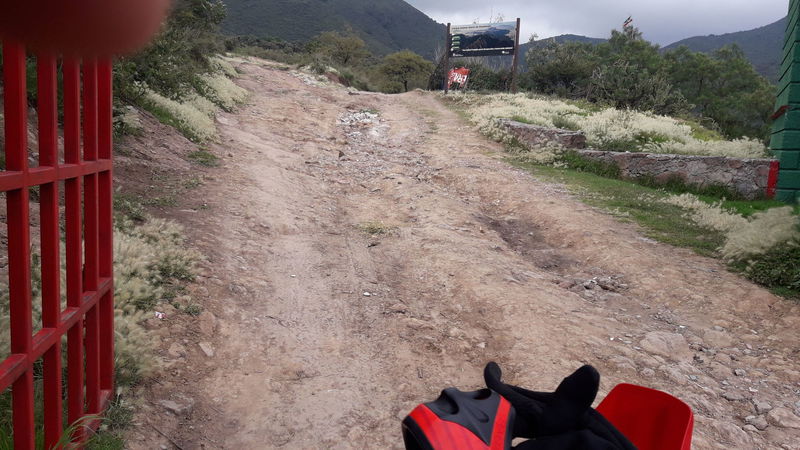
[605, 128]
[187, 118]
[146, 258]
[204, 158]
[222, 91]
[778, 268]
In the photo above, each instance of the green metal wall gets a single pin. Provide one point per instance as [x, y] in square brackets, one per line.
[786, 128]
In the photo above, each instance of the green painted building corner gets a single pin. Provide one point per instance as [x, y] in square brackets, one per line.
[785, 142]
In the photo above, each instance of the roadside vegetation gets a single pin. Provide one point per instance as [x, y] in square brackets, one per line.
[181, 78]
[626, 96]
[344, 56]
[760, 239]
[606, 127]
[183, 81]
[151, 267]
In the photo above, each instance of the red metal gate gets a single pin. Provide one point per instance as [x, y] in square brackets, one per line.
[85, 170]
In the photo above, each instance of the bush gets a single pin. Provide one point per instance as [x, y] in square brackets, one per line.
[625, 85]
[605, 128]
[403, 70]
[169, 65]
[778, 268]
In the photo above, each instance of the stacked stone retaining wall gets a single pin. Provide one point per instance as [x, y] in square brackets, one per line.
[749, 178]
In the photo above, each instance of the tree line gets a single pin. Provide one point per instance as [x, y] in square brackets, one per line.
[722, 89]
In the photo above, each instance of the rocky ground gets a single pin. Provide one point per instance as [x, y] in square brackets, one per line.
[365, 251]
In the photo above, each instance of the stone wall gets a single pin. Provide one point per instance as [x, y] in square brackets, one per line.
[536, 136]
[750, 178]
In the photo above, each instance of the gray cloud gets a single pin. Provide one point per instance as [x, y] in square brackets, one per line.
[662, 21]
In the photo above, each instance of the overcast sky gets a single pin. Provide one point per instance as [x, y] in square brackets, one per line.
[662, 21]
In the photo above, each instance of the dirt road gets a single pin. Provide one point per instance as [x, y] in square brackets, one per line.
[366, 251]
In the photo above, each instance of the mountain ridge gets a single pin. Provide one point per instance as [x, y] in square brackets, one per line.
[763, 46]
[385, 25]
[391, 25]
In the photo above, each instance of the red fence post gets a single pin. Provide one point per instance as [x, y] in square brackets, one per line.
[91, 251]
[74, 254]
[47, 93]
[105, 102]
[88, 320]
[19, 258]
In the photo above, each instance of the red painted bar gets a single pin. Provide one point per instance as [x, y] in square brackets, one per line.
[19, 267]
[11, 369]
[90, 234]
[105, 100]
[50, 240]
[772, 183]
[72, 155]
[10, 180]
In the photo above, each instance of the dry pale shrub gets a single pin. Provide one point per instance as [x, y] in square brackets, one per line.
[763, 231]
[203, 105]
[220, 64]
[146, 258]
[223, 91]
[712, 216]
[191, 120]
[607, 128]
[739, 148]
[744, 237]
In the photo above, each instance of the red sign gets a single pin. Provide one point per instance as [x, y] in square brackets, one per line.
[460, 76]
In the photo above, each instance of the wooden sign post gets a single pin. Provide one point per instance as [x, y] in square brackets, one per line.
[515, 63]
[447, 49]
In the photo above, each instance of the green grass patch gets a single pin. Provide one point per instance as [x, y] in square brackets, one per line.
[778, 269]
[166, 201]
[675, 185]
[130, 206]
[521, 119]
[193, 183]
[702, 133]
[632, 202]
[165, 117]
[203, 158]
[193, 309]
[565, 123]
[376, 228]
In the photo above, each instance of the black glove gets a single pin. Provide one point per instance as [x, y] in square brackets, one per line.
[561, 420]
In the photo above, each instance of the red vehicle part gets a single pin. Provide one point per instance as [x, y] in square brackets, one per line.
[650, 419]
[481, 420]
[82, 27]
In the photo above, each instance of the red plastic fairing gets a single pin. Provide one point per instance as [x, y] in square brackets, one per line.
[650, 419]
[82, 27]
[444, 435]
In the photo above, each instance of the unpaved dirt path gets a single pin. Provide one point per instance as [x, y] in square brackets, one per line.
[325, 336]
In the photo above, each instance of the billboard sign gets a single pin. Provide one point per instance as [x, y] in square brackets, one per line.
[483, 39]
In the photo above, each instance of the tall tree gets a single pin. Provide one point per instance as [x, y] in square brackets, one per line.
[405, 67]
[725, 87]
[344, 49]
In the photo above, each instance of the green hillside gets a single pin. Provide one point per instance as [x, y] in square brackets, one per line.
[385, 25]
[566, 38]
[762, 46]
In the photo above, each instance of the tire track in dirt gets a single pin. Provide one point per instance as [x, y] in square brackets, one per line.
[479, 262]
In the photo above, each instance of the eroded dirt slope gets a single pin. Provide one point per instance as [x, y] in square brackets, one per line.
[366, 251]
